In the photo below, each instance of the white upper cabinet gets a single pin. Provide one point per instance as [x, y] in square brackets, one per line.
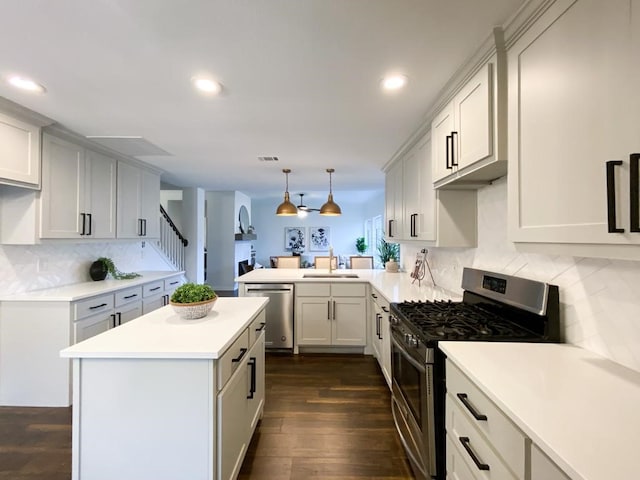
[573, 108]
[138, 202]
[78, 191]
[19, 153]
[62, 196]
[463, 131]
[439, 218]
[394, 203]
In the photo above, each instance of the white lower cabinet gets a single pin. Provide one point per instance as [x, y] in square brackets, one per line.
[331, 314]
[483, 443]
[380, 333]
[32, 333]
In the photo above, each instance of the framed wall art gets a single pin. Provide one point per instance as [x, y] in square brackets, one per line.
[319, 239]
[294, 239]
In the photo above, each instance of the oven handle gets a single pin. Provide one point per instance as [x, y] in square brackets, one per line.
[413, 362]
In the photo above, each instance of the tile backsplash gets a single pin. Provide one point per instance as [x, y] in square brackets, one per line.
[33, 267]
[600, 304]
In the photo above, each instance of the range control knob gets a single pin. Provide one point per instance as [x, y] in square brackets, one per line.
[393, 320]
[412, 341]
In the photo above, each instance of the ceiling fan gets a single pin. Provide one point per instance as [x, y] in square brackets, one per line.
[303, 210]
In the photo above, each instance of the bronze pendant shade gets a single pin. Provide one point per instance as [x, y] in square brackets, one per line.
[286, 208]
[330, 208]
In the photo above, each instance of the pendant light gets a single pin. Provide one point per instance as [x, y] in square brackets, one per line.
[286, 208]
[330, 208]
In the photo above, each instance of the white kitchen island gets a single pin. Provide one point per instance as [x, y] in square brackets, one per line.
[165, 398]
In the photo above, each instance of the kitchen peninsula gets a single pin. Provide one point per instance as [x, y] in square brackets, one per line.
[163, 398]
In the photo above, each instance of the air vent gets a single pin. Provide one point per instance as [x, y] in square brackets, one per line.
[268, 159]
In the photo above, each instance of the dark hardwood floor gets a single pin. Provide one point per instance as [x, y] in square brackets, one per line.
[326, 417]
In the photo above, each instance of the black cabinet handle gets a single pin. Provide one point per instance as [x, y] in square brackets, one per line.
[453, 149]
[175, 283]
[119, 318]
[239, 357]
[89, 217]
[154, 289]
[252, 388]
[414, 223]
[611, 196]
[98, 306]
[384, 309]
[334, 309]
[374, 295]
[113, 320]
[133, 295]
[449, 145]
[328, 309]
[465, 401]
[390, 228]
[261, 327]
[84, 218]
[465, 443]
[144, 223]
[634, 194]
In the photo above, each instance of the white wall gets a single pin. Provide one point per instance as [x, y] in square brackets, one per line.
[600, 304]
[344, 229]
[26, 268]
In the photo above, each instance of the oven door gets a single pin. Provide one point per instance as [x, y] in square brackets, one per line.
[413, 408]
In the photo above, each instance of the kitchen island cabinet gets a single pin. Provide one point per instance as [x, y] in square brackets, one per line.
[164, 398]
[35, 326]
[572, 412]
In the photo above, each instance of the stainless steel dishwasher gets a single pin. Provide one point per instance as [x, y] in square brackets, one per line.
[279, 312]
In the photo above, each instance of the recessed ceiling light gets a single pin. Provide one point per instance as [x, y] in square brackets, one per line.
[24, 83]
[394, 82]
[207, 85]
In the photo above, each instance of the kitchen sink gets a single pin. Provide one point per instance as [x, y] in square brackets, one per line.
[330, 275]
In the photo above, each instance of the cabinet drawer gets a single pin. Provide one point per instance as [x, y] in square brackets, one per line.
[92, 305]
[256, 327]
[313, 289]
[232, 358]
[475, 450]
[170, 284]
[349, 289]
[128, 295]
[154, 288]
[498, 430]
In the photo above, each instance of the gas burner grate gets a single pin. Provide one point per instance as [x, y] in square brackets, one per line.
[447, 320]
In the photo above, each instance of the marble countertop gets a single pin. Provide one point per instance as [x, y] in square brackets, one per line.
[79, 291]
[579, 408]
[163, 334]
[395, 287]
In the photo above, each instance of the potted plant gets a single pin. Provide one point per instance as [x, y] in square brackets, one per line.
[361, 247]
[193, 300]
[389, 254]
[104, 266]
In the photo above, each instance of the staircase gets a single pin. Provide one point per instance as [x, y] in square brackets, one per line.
[172, 243]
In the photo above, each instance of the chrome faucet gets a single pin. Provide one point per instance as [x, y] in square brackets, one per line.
[330, 259]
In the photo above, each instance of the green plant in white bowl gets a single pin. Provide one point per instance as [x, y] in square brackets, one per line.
[193, 300]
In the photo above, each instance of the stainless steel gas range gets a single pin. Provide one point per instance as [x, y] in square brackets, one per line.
[495, 307]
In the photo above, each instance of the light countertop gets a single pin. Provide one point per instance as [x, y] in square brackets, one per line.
[579, 408]
[396, 287]
[163, 334]
[79, 291]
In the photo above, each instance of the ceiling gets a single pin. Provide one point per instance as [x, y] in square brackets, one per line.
[301, 79]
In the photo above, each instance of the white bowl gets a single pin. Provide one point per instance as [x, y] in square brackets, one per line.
[193, 311]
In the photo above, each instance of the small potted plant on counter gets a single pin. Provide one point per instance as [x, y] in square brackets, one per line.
[389, 254]
[361, 246]
[104, 266]
[192, 300]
